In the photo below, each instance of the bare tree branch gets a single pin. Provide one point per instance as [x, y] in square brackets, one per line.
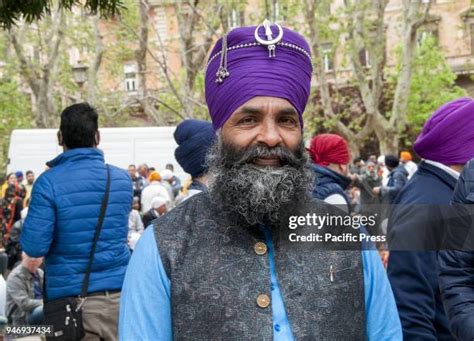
[162, 65]
[166, 105]
[204, 19]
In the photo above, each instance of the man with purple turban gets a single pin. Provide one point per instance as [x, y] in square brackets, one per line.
[417, 224]
[219, 266]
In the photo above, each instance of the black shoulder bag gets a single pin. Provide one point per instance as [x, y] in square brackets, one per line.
[65, 314]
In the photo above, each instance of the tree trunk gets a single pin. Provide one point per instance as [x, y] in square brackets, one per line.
[95, 66]
[354, 139]
[141, 58]
[354, 149]
[140, 52]
[412, 20]
[39, 78]
[389, 144]
[42, 108]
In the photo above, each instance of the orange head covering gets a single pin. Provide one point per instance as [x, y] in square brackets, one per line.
[329, 148]
[154, 176]
[405, 156]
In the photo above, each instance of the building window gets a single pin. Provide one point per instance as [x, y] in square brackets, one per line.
[364, 57]
[327, 57]
[131, 80]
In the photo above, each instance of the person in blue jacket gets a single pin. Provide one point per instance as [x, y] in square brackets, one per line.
[457, 268]
[397, 178]
[418, 222]
[62, 219]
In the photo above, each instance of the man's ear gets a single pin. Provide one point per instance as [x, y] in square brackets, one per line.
[97, 138]
[60, 138]
[343, 169]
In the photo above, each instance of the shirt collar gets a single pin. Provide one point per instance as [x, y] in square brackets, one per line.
[447, 169]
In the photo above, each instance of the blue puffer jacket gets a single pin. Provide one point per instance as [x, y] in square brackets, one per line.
[62, 218]
[457, 270]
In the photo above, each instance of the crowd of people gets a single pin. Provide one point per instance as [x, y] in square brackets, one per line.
[209, 260]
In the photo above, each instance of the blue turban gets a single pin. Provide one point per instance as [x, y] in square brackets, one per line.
[194, 138]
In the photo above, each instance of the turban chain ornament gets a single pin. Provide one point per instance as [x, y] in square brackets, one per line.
[222, 72]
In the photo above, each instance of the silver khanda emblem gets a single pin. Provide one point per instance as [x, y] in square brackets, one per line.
[270, 42]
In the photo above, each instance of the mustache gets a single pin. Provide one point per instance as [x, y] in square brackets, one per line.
[235, 157]
[250, 194]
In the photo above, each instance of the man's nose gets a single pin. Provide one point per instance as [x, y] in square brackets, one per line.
[269, 134]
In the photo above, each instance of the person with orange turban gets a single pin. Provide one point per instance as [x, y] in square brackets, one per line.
[331, 157]
[154, 189]
[406, 160]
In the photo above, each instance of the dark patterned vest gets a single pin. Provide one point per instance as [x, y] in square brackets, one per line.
[217, 274]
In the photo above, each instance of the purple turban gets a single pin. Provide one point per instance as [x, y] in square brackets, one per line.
[253, 73]
[448, 136]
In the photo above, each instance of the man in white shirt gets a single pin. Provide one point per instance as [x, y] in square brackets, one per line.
[154, 189]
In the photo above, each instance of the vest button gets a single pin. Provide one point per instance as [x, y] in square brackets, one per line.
[263, 301]
[260, 248]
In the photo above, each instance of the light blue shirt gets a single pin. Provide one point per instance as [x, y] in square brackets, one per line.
[145, 307]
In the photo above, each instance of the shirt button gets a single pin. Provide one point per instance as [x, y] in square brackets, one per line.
[260, 248]
[277, 327]
[263, 301]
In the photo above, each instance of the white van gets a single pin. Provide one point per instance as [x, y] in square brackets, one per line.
[30, 149]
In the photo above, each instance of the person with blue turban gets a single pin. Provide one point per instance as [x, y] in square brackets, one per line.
[194, 138]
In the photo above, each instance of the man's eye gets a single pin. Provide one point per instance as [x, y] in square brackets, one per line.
[247, 120]
[289, 121]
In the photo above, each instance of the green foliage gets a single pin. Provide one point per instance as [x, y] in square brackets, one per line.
[15, 113]
[11, 11]
[433, 84]
[130, 20]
